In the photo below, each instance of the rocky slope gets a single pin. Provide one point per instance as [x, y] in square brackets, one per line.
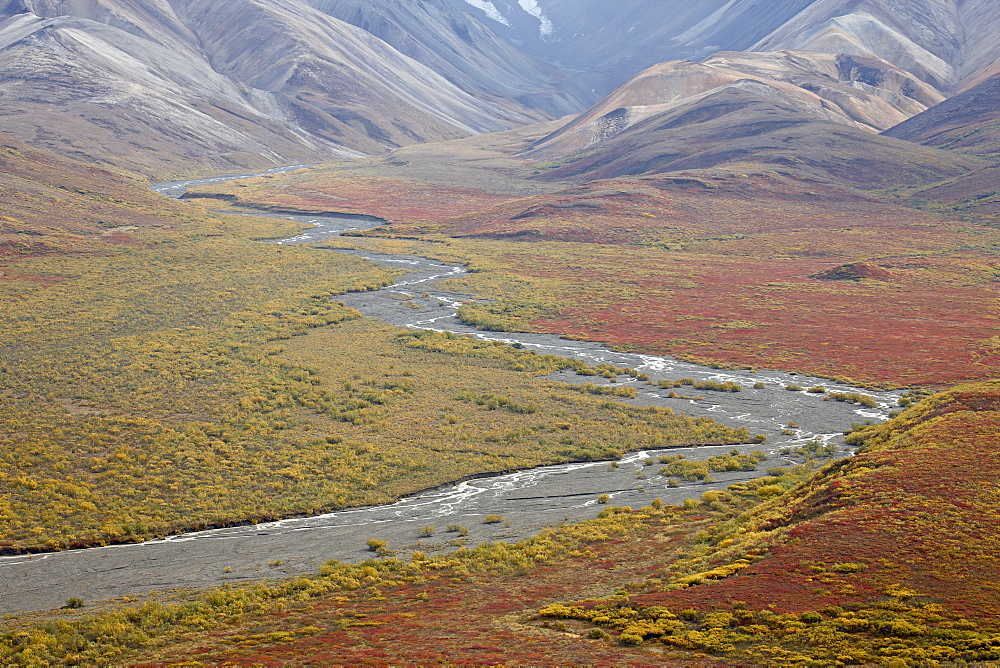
[970, 121]
[459, 47]
[866, 93]
[171, 86]
[947, 43]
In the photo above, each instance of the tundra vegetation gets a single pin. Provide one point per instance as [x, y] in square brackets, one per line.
[716, 267]
[191, 376]
[177, 374]
[791, 568]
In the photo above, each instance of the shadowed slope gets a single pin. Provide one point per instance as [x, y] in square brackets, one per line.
[750, 122]
[968, 122]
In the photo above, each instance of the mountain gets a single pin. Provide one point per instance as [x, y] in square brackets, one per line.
[750, 122]
[861, 92]
[969, 122]
[174, 86]
[606, 43]
[464, 51]
[166, 87]
[946, 43]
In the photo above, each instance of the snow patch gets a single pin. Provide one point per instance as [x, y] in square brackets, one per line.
[490, 9]
[531, 6]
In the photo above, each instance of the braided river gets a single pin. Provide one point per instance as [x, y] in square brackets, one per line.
[529, 500]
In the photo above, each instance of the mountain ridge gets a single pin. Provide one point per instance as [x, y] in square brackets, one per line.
[240, 84]
[184, 86]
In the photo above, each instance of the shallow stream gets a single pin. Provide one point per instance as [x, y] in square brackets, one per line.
[528, 500]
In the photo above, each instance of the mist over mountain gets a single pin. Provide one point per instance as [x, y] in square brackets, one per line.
[175, 86]
[458, 46]
[947, 43]
[606, 43]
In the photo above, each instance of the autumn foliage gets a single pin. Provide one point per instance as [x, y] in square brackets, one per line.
[866, 561]
[717, 265]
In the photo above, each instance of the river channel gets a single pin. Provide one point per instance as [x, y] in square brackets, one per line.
[529, 500]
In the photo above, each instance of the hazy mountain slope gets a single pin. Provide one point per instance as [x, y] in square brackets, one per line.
[329, 67]
[459, 47]
[948, 43]
[168, 87]
[749, 122]
[980, 19]
[87, 90]
[609, 42]
[970, 121]
[945, 43]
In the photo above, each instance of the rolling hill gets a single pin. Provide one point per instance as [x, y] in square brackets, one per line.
[968, 122]
[745, 122]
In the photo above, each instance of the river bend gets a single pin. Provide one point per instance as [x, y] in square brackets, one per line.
[529, 500]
